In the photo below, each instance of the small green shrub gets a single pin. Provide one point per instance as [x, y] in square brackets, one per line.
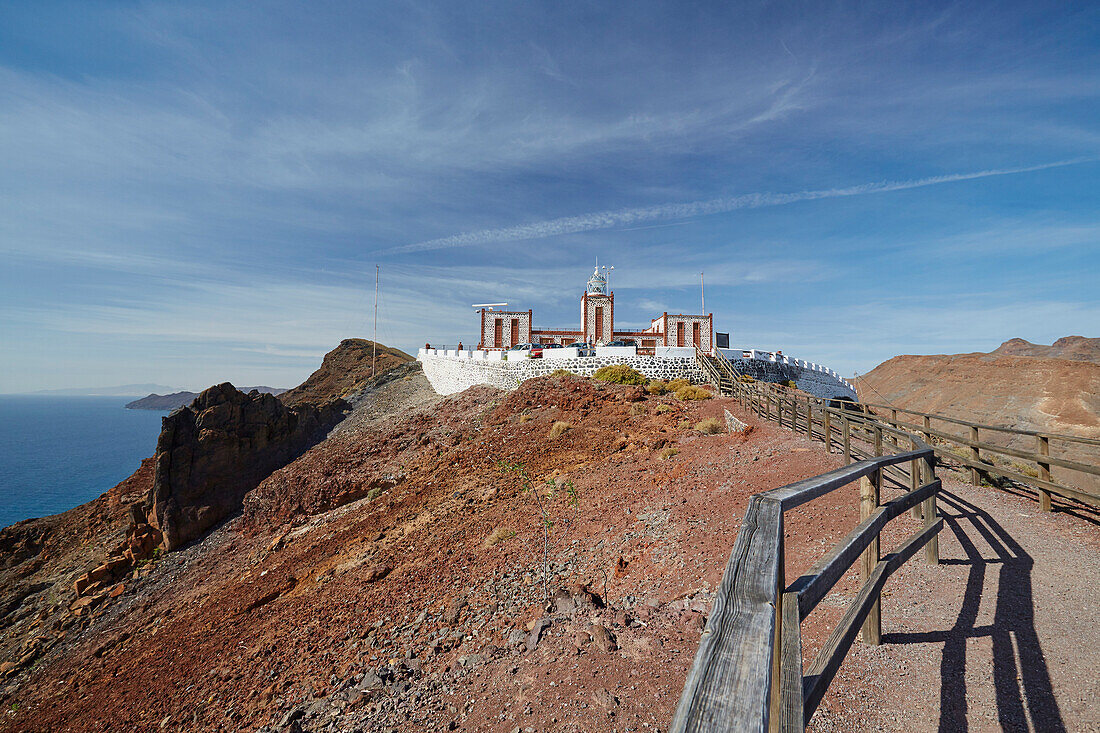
[561, 373]
[638, 408]
[663, 408]
[684, 424]
[374, 493]
[691, 392]
[746, 378]
[710, 426]
[1025, 469]
[657, 387]
[620, 374]
[668, 452]
[790, 383]
[677, 384]
[559, 428]
[525, 418]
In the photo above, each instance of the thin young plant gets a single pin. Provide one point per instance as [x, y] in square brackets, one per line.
[546, 516]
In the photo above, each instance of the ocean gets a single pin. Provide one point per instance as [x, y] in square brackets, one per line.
[59, 452]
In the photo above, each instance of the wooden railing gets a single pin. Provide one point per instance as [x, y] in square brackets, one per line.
[748, 673]
[981, 458]
[970, 449]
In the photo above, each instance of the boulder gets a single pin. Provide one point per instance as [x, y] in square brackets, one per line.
[603, 638]
[454, 609]
[536, 633]
[377, 572]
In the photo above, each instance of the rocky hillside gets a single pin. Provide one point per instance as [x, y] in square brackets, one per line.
[1003, 387]
[537, 559]
[1075, 348]
[209, 455]
[345, 371]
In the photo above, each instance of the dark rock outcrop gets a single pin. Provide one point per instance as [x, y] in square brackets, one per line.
[213, 452]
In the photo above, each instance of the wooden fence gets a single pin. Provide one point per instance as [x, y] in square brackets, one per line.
[968, 451]
[979, 455]
[748, 673]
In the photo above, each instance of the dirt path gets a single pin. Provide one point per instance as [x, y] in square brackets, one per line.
[1002, 635]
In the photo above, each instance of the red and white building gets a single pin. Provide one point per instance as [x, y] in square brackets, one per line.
[504, 329]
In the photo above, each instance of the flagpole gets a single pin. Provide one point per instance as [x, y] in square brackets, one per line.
[374, 343]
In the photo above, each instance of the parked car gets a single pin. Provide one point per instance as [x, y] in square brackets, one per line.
[552, 346]
[623, 342]
[534, 351]
[583, 348]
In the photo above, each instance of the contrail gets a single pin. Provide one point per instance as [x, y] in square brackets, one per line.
[628, 217]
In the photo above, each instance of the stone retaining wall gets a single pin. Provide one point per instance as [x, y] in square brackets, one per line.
[453, 372]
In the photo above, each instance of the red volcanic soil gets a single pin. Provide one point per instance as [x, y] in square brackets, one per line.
[393, 577]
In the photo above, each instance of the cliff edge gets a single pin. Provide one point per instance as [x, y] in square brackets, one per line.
[346, 371]
[213, 452]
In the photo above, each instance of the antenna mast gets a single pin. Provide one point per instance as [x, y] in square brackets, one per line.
[702, 297]
[374, 342]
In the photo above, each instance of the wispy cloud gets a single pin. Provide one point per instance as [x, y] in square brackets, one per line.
[627, 217]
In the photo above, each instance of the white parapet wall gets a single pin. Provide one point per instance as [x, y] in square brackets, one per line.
[769, 366]
[454, 371]
[449, 373]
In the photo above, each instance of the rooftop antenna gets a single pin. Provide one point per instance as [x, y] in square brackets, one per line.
[607, 276]
[490, 306]
[702, 297]
[374, 342]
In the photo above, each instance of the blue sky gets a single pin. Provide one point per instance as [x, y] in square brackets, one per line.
[191, 193]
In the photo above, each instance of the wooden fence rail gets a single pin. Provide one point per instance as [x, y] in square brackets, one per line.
[968, 451]
[748, 673]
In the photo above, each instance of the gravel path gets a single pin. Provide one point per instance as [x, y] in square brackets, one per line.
[407, 390]
[1002, 635]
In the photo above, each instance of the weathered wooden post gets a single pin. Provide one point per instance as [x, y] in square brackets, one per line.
[878, 441]
[791, 716]
[847, 428]
[1044, 473]
[974, 456]
[914, 479]
[868, 503]
[776, 699]
[928, 430]
[809, 420]
[828, 430]
[932, 548]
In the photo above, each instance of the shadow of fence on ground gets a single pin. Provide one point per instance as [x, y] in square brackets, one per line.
[1025, 697]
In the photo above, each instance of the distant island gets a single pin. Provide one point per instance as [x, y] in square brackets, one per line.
[179, 399]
